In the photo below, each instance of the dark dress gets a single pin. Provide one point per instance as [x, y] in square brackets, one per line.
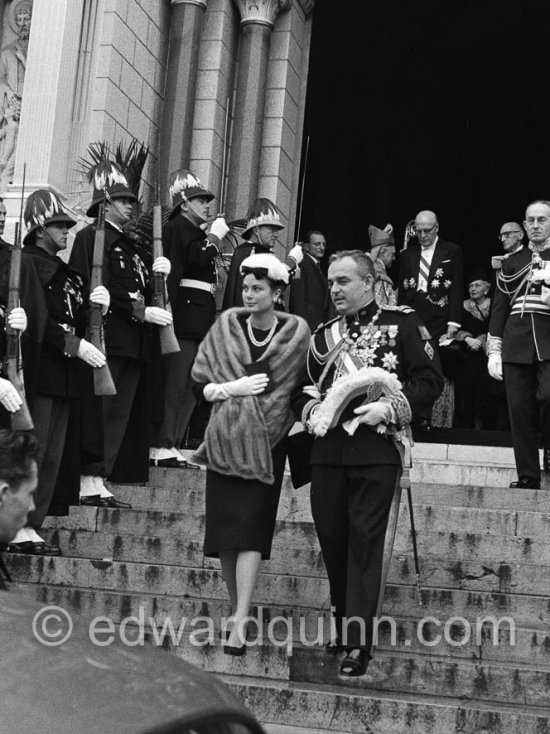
[241, 513]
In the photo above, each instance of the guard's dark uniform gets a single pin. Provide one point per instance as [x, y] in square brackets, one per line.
[353, 477]
[55, 407]
[521, 320]
[117, 428]
[191, 286]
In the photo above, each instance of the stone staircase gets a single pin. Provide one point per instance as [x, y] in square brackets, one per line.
[478, 662]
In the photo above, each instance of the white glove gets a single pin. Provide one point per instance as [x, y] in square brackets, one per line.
[9, 397]
[102, 297]
[162, 265]
[17, 319]
[373, 413]
[90, 354]
[247, 385]
[494, 365]
[388, 228]
[219, 228]
[297, 254]
[157, 316]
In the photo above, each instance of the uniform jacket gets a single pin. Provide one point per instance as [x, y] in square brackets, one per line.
[126, 277]
[403, 348]
[309, 294]
[65, 299]
[187, 248]
[443, 300]
[525, 338]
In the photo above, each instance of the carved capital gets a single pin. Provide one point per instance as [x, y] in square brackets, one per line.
[200, 3]
[262, 12]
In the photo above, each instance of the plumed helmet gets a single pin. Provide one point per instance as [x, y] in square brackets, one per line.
[108, 182]
[184, 185]
[265, 265]
[43, 207]
[262, 212]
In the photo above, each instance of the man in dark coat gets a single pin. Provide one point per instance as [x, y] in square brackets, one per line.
[355, 458]
[116, 428]
[309, 293]
[519, 342]
[264, 221]
[191, 285]
[55, 400]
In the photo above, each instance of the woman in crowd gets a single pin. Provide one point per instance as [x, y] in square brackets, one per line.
[247, 366]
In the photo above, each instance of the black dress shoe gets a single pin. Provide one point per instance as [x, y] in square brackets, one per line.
[235, 651]
[354, 664]
[97, 501]
[26, 547]
[44, 549]
[526, 483]
[171, 463]
[546, 460]
[334, 647]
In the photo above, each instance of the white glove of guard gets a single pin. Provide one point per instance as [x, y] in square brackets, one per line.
[157, 316]
[297, 254]
[219, 228]
[17, 319]
[247, 385]
[373, 413]
[494, 365]
[9, 397]
[101, 297]
[90, 354]
[162, 265]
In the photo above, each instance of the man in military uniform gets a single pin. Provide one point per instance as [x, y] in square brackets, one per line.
[356, 462]
[191, 285]
[264, 222]
[63, 297]
[519, 342]
[116, 428]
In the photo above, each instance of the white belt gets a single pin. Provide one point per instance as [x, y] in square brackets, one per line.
[200, 284]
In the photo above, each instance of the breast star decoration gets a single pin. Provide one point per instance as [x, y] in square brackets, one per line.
[389, 361]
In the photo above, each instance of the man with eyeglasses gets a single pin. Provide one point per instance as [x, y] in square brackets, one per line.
[511, 236]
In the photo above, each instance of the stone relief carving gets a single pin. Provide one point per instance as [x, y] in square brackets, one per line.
[261, 11]
[13, 60]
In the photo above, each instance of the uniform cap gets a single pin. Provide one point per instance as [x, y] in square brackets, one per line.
[43, 207]
[262, 212]
[184, 185]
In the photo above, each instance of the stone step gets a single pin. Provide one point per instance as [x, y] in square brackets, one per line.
[395, 672]
[459, 546]
[469, 632]
[327, 708]
[435, 570]
[295, 504]
[428, 518]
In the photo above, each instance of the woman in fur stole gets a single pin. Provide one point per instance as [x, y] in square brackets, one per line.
[248, 365]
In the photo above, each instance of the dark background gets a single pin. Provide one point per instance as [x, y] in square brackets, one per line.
[426, 105]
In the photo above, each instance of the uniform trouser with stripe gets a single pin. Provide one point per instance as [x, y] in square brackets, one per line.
[350, 507]
[50, 415]
[528, 394]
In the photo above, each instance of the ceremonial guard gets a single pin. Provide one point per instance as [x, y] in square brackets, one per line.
[519, 342]
[191, 286]
[55, 391]
[264, 221]
[116, 428]
[370, 371]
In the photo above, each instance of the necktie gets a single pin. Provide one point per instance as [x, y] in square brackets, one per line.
[423, 274]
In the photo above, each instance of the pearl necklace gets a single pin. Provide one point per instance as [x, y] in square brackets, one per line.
[265, 341]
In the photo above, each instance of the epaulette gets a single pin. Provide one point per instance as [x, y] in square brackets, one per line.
[401, 309]
[327, 323]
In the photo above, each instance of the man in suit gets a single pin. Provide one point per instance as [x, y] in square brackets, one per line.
[309, 293]
[357, 453]
[519, 342]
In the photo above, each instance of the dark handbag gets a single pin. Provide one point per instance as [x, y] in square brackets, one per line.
[298, 449]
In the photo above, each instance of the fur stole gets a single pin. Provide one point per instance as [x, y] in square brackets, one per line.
[242, 430]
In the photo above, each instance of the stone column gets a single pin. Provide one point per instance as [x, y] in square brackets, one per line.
[257, 22]
[50, 77]
[186, 22]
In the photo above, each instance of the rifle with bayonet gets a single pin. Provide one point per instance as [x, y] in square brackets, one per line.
[20, 420]
[103, 381]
